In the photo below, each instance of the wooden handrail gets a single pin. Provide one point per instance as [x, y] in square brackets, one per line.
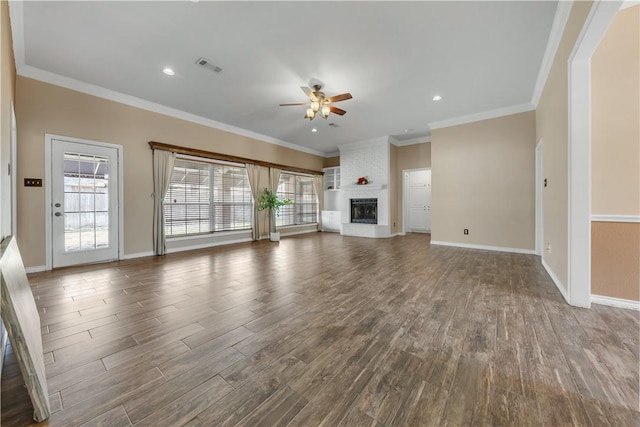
[227, 158]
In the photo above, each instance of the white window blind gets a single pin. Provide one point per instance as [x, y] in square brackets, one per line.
[301, 190]
[207, 197]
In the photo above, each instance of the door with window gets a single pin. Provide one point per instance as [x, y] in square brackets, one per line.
[84, 203]
[420, 201]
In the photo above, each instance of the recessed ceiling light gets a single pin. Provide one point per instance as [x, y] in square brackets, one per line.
[437, 98]
[169, 71]
[314, 130]
[407, 130]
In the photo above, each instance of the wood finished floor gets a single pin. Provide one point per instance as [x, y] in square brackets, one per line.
[326, 330]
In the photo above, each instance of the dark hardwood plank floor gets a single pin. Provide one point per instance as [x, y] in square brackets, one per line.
[321, 329]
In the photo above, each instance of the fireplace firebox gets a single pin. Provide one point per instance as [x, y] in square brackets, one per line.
[364, 211]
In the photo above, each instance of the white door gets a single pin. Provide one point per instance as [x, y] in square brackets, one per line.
[420, 201]
[84, 203]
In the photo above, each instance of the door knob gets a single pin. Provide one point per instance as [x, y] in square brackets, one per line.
[58, 214]
[57, 205]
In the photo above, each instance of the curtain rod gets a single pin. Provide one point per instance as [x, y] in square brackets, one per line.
[226, 157]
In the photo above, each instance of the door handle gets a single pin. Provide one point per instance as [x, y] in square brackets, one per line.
[58, 214]
[57, 205]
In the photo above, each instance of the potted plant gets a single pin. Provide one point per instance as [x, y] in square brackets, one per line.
[269, 200]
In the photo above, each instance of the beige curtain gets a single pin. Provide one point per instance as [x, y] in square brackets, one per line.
[163, 162]
[274, 180]
[253, 172]
[318, 185]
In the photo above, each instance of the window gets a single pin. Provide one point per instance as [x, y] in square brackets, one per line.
[304, 209]
[207, 197]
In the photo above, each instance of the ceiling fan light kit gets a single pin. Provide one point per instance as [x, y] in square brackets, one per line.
[319, 103]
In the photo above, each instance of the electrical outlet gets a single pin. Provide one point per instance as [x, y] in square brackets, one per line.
[32, 182]
[466, 231]
[548, 246]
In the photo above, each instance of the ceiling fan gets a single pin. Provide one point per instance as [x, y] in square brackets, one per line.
[319, 103]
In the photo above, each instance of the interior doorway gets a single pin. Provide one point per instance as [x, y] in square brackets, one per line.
[417, 200]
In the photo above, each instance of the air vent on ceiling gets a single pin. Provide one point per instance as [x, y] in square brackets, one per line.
[204, 62]
[333, 125]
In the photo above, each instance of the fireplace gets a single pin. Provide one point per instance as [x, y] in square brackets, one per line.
[364, 211]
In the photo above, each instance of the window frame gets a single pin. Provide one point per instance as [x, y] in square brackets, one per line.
[298, 205]
[212, 204]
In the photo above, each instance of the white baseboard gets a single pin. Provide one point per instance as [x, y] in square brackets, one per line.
[35, 269]
[137, 255]
[615, 302]
[556, 281]
[484, 247]
[298, 232]
[208, 245]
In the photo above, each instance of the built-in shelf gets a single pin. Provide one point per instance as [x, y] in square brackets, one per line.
[332, 178]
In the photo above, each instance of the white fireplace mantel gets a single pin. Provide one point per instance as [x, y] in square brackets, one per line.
[372, 186]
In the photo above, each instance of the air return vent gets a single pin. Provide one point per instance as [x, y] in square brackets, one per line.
[204, 62]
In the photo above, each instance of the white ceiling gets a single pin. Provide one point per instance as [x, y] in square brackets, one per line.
[392, 56]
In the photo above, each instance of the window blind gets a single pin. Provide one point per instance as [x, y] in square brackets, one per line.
[301, 190]
[207, 197]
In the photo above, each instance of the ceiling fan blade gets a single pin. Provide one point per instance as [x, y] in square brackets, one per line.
[338, 98]
[309, 92]
[290, 105]
[336, 110]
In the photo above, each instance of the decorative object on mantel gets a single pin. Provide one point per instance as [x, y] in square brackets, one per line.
[269, 200]
[363, 180]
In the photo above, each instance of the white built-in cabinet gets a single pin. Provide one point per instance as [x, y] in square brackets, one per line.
[332, 178]
[331, 212]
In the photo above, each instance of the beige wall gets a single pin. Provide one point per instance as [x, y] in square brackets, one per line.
[615, 254]
[483, 179]
[615, 158]
[43, 108]
[414, 156]
[7, 91]
[552, 127]
[330, 162]
[615, 132]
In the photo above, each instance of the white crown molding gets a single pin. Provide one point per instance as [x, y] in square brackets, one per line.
[616, 302]
[413, 141]
[381, 141]
[629, 3]
[73, 84]
[615, 218]
[484, 115]
[556, 281]
[560, 19]
[333, 154]
[484, 247]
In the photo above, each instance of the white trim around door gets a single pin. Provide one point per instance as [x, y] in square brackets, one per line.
[49, 138]
[579, 167]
